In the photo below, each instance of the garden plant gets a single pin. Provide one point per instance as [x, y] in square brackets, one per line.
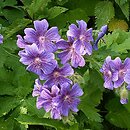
[64, 65]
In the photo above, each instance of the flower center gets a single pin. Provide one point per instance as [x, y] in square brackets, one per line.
[42, 39]
[56, 74]
[82, 37]
[37, 62]
[121, 72]
[67, 98]
[108, 73]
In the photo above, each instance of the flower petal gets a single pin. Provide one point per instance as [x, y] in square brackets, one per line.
[82, 25]
[127, 77]
[76, 91]
[62, 44]
[41, 26]
[52, 34]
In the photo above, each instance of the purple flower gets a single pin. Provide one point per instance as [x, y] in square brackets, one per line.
[39, 62]
[38, 87]
[1, 39]
[69, 98]
[82, 37]
[43, 37]
[100, 35]
[127, 78]
[121, 68]
[109, 75]
[123, 101]
[45, 100]
[69, 52]
[58, 76]
[21, 42]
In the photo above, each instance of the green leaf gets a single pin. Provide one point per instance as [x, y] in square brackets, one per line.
[33, 120]
[124, 5]
[4, 3]
[55, 11]
[122, 48]
[104, 12]
[7, 104]
[30, 105]
[18, 24]
[64, 19]
[17, 14]
[118, 115]
[35, 6]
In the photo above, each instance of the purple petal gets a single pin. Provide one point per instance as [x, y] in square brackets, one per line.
[65, 88]
[62, 44]
[39, 103]
[30, 36]
[73, 31]
[88, 48]
[48, 67]
[123, 101]
[115, 76]
[117, 62]
[127, 63]
[64, 56]
[65, 109]
[1, 39]
[61, 80]
[128, 87]
[79, 47]
[47, 56]
[41, 26]
[45, 94]
[48, 46]
[77, 60]
[32, 50]
[127, 77]
[66, 70]
[50, 82]
[55, 114]
[108, 84]
[82, 25]
[76, 91]
[74, 105]
[118, 83]
[88, 35]
[55, 90]
[20, 42]
[103, 31]
[52, 34]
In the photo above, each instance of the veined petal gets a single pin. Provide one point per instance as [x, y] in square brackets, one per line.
[76, 91]
[127, 63]
[88, 48]
[118, 83]
[108, 84]
[55, 90]
[41, 26]
[30, 36]
[64, 56]
[73, 31]
[66, 70]
[62, 44]
[127, 77]
[52, 34]
[82, 25]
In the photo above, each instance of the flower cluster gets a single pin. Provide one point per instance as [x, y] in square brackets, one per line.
[57, 100]
[57, 95]
[117, 75]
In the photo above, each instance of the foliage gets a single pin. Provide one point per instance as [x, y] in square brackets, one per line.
[99, 108]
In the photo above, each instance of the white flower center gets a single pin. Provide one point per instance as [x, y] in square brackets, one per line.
[121, 72]
[42, 39]
[82, 37]
[56, 74]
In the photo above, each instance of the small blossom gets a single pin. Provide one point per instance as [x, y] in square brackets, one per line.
[69, 52]
[100, 35]
[1, 39]
[45, 100]
[58, 76]
[43, 37]
[21, 42]
[69, 98]
[121, 68]
[39, 62]
[38, 87]
[109, 75]
[82, 36]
